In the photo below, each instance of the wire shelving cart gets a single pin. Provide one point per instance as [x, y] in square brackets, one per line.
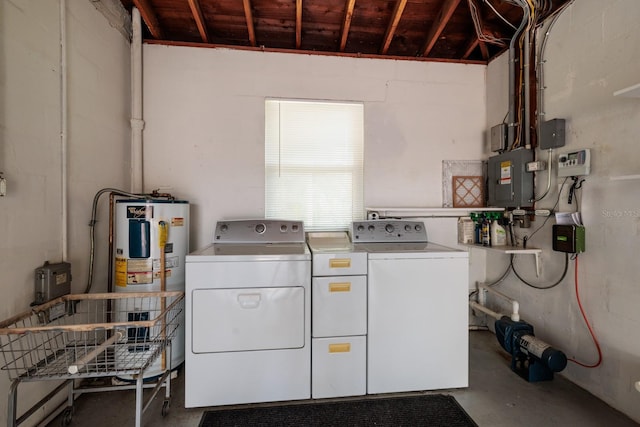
[81, 336]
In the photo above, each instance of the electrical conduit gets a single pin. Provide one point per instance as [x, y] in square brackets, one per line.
[63, 131]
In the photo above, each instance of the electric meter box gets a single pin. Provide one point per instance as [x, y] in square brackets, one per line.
[568, 238]
[509, 183]
[52, 281]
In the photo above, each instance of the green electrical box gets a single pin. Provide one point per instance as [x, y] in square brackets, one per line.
[568, 238]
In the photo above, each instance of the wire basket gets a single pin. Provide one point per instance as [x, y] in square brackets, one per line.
[90, 335]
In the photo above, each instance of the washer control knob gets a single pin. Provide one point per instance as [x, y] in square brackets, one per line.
[418, 227]
[294, 228]
[260, 228]
[389, 228]
[360, 228]
[407, 227]
[283, 228]
[224, 228]
[372, 228]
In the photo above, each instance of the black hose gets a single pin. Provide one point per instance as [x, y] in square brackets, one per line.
[564, 274]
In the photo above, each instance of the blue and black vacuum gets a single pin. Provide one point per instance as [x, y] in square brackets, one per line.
[531, 358]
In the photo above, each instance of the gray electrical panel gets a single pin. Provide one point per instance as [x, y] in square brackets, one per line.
[552, 134]
[509, 183]
[52, 281]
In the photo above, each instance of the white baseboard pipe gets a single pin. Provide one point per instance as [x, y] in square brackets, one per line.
[515, 306]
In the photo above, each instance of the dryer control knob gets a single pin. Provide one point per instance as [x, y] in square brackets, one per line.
[371, 228]
[418, 227]
[361, 228]
[389, 228]
[260, 228]
[407, 227]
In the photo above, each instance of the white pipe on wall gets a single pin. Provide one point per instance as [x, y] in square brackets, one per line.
[137, 124]
[515, 306]
[63, 129]
[474, 305]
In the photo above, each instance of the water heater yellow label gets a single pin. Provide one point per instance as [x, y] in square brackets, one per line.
[121, 272]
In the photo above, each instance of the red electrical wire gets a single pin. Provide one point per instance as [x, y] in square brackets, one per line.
[584, 316]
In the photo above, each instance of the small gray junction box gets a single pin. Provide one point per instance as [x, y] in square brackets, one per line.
[52, 281]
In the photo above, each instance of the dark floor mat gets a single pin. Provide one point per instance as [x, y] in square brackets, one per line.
[433, 410]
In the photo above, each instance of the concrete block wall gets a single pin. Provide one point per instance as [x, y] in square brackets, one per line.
[593, 51]
[31, 153]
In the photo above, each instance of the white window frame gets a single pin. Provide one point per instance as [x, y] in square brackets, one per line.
[314, 162]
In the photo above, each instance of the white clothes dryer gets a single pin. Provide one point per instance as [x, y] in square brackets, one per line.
[248, 323]
[417, 308]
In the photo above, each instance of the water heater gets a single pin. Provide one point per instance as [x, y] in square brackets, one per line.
[137, 252]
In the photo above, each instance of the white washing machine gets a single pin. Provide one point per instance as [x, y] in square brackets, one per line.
[248, 315]
[417, 311]
[339, 316]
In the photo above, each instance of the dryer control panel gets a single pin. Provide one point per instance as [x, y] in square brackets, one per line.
[259, 231]
[383, 230]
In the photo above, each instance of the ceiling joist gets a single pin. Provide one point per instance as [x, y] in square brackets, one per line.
[441, 21]
[391, 29]
[149, 17]
[346, 24]
[298, 24]
[249, 17]
[197, 15]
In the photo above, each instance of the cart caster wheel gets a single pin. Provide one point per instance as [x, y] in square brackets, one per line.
[165, 408]
[67, 417]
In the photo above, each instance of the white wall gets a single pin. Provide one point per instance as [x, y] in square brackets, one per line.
[593, 51]
[204, 124]
[30, 147]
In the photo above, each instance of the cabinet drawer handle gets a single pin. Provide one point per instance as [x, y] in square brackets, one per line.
[340, 287]
[340, 263]
[340, 348]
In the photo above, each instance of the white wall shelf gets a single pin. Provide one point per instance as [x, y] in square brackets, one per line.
[429, 212]
[511, 250]
[629, 92]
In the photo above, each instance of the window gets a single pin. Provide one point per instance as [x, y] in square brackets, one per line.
[313, 163]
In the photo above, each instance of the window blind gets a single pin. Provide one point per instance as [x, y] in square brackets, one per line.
[314, 162]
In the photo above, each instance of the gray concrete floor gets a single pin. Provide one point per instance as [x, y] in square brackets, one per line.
[496, 397]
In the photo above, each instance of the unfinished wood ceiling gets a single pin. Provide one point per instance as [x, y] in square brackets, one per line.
[453, 30]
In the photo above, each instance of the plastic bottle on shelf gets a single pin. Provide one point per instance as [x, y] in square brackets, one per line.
[486, 232]
[498, 233]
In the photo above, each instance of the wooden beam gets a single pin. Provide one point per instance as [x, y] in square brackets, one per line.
[197, 15]
[471, 46]
[149, 17]
[448, 7]
[298, 24]
[391, 29]
[484, 50]
[249, 16]
[348, 15]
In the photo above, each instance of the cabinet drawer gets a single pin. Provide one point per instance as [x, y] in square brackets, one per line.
[339, 306]
[339, 264]
[338, 367]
